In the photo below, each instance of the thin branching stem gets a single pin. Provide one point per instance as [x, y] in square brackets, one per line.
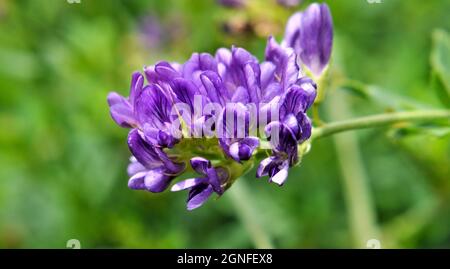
[380, 120]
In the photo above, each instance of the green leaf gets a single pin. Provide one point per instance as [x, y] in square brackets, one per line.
[440, 64]
[384, 97]
[435, 131]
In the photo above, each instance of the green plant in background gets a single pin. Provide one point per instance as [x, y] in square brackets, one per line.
[168, 111]
[66, 180]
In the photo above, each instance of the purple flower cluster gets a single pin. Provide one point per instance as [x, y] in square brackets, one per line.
[253, 102]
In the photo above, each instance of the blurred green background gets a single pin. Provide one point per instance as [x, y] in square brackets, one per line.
[63, 160]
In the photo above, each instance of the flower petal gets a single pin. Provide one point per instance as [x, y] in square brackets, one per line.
[240, 96]
[291, 122]
[292, 31]
[153, 107]
[252, 74]
[162, 74]
[243, 71]
[136, 182]
[267, 73]
[137, 82]
[184, 91]
[166, 71]
[281, 175]
[188, 183]
[287, 71]
[282, 139]
[306, 127]
[264, 166]
[156, 180]
[121, 110]
[223, 57]
[215, 90]
[169, 165]
[297, 99]
[200, 165]
[204, 167]
[243, 149]
[199, 62]
[142, 151]
[198, 196]
[134, 167]
[156, 136]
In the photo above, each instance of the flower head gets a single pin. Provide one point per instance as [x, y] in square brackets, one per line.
[211, 114]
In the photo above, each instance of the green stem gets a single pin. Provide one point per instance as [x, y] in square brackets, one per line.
[357, 193]
[248, 214]
[315, 113]
[379, 120]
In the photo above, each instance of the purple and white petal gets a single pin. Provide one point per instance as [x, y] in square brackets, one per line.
[156, 181]
[264, 166]
[243, 149]
[297, 99]
[137, 181]
[153, 107]
[142, 151]
[188, 183]
[200, 165]
[121, 110]
[280, 174]
[214, 88]
[137, 83]
[134, 167]
[184, 91]
[198, 196]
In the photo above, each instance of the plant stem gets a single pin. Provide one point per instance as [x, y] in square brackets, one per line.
[315, 115]
[248, 214]
[379, 120]
[356, 190]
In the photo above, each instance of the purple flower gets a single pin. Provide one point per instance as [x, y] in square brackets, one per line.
[153, 112]
[121, 108]
[150, 169]
[200, 188]
[236, 140]
[294, 127]
[240, 73]
[310, 33]
[284, 69]
[248, 102]
[233, 80]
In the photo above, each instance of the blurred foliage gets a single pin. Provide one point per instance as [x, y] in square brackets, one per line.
[63, 160]
[440, 62]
